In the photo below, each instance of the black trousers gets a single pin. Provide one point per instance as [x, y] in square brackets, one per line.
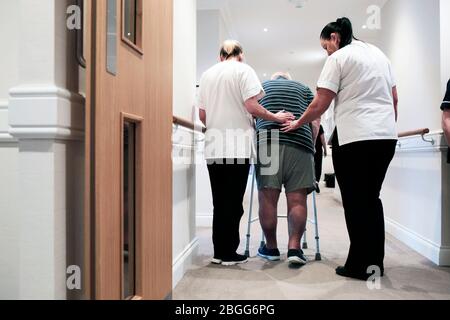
[318, 158]
[360, 169]
[228, 184]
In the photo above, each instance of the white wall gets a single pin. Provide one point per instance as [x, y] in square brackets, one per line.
[416, 191]
[41, 151]
[209, 33]
[185, 241]
[212, 30]
[185, 57]
[224, 30]
[9, 14]
[204, 207]
[9, 224]
[36, 19]
[445, 76]
[416, 198]
[9, 25]
[445, 44]
[411, 39]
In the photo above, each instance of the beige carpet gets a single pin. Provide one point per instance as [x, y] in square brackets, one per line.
[408, 275]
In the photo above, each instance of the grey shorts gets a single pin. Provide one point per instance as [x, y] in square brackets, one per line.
[292, 167]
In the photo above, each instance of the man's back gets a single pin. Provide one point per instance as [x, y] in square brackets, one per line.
[291, 96]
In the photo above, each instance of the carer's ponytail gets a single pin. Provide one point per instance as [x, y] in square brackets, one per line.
[230, 48]
[342, 26]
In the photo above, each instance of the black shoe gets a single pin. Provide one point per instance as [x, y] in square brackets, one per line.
[269, 254]
[234, 260]
[343, 272]
[296, 257]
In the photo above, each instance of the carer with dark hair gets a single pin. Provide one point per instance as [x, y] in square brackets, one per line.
[359, 76]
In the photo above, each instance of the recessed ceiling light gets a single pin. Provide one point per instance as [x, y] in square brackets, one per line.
[266, 30]
[298, 3]
[364, 27]
[265, 75]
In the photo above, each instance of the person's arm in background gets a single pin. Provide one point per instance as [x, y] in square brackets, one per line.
[446, 124]
[394, 90]
[202, 115]
[395, 96]
[315, 126]
[324, 145]
[258, 111]
[200, 101]
[445, 107]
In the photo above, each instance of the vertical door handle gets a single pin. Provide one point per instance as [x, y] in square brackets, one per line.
[80, 37]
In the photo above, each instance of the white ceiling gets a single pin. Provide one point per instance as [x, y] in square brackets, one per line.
[292, 41]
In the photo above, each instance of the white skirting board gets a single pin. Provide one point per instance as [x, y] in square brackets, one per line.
[437, 254]
[183, 262]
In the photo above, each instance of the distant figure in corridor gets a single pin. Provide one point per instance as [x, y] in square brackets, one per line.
[228, 101]
[445, 107]
[359, 76]
[294, 154]
[321, 151]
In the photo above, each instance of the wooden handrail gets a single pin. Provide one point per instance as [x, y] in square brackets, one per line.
[188, 124]
[419, 132]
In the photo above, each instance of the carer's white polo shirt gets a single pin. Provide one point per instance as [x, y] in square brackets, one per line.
[224, 88]
[361, 76]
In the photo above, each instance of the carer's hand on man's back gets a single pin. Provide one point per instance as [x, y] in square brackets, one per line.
[284, 117]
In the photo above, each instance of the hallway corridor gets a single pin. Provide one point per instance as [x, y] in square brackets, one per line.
[409, 276]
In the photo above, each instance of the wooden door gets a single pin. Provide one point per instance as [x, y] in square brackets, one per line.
[128, 162]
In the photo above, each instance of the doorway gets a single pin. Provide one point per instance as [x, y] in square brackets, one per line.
[128, 206]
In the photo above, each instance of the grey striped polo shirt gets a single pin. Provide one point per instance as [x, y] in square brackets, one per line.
[290, 96]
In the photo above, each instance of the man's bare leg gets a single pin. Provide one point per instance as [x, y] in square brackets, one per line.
[268, 215]
[297, 216]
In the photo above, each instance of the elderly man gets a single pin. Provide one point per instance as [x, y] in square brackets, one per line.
[446, 118]
[292, 156]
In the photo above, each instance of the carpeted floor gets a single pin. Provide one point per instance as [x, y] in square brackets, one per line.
[408, 275]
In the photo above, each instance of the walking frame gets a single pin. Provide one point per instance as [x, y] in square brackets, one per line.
[318, 256]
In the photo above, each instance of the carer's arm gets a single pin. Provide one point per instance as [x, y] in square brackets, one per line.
[316, 109]
[258, 111]
[395, 96]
